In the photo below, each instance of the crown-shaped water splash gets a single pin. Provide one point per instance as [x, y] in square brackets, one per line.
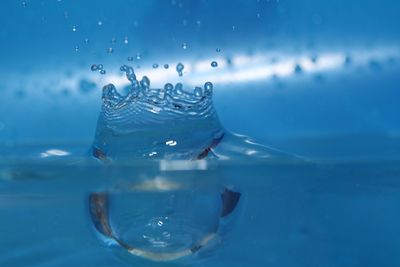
[163, 123]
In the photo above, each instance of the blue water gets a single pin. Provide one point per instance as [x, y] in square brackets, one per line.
[310, 87]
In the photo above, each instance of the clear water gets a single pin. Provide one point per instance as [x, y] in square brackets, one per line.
[101, 166]
[341, 214]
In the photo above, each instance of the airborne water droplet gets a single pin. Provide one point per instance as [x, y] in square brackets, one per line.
[94, 67]
[179, 68]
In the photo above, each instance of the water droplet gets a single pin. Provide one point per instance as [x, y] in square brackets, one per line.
[179, 68]
[130, 58]
[198, 91]
[110, 50]
[218, 50]
[102, 72]
[168, 87]
[184, 45]
[214, 64]
[74, 29]
[208, 89]
[145, 82]
[166, 66]
[94, 67]
[100, 23]
[298, 69]
[155, 66]
[348, 60]
[179, 88]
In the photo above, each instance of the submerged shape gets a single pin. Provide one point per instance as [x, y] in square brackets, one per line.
[168, 123]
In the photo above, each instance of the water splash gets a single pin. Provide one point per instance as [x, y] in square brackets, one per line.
[147, 120]
[167, 123]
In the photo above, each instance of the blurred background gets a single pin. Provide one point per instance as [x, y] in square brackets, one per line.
[316, 78]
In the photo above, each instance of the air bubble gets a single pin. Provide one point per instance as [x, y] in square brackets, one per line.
[110, 50]
[126, 41]
[166, 66]
[99, 23]
[86, 40]
[102, 72]
[76, 48]
[130, 58]
[138, 56]
[214, 64]
[155, 66]
[218, 50]
[113, 40]
[184, 45]
[74, 29]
